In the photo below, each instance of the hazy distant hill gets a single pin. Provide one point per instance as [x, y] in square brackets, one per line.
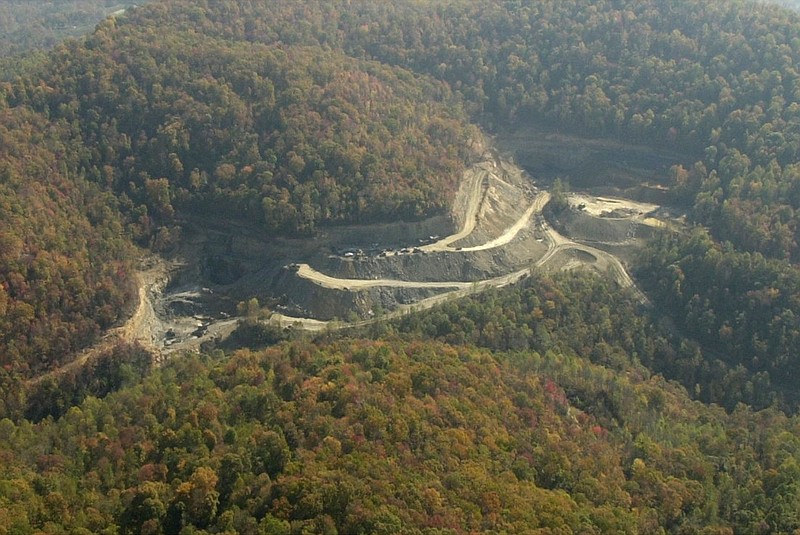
[788, 3]
[26, 25]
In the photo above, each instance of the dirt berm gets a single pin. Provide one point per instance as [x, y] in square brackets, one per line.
[462, 266]
[584, 227]
[301, 297]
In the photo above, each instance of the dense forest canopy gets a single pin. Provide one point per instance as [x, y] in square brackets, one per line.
[285, 138]
[391, 436]
[65, 265]
[587, 317]
[534, 407]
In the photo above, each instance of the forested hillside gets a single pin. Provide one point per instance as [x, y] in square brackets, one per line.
[390, 437]
[716, 80]
[546, 406]
[286, 138]
[586, 316]
[65, 265]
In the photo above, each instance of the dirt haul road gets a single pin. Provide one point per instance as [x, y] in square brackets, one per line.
[504, 239]
[470, 202]
[556, 244]
[475, 193]
[508, 236]
[307, 272]
[140, 327]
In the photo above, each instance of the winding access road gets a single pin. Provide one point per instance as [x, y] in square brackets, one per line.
[307, 272]
[556, 244]
[476, 195]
